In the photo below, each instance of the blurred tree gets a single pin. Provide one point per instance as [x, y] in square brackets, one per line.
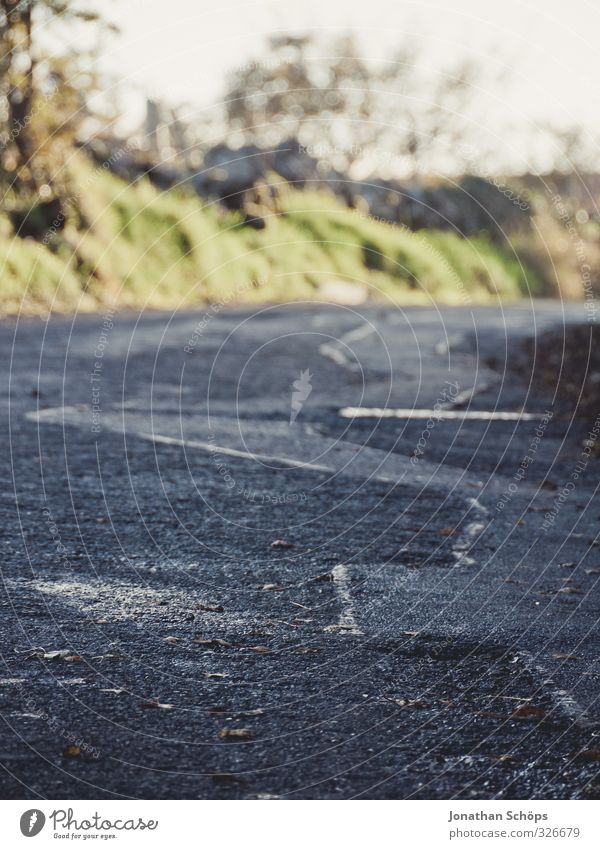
[575, 148]
[45, 83]
[346, 107]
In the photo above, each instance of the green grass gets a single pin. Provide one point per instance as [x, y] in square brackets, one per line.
[133, 246]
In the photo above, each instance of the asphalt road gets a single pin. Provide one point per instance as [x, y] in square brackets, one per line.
[269, 571]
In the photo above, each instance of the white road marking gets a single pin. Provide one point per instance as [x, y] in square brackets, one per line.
[460, 548]
[564, 700]
[329, 350]
[333, 352]
[467, 394]
[467, 538]
[360, 332]
[341, 582]
[53, 413]
[120, 601]
[444, 345]
[460, 415]
[472, 530]
[357, 462]
[234, 452]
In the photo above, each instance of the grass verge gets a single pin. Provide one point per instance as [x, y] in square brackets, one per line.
[131, 246]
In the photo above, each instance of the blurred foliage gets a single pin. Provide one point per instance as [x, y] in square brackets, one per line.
[74, 234]
[336, 100]
[131, 245]
[44, 93]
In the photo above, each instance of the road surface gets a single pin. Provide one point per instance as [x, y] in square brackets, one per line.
[299, 551]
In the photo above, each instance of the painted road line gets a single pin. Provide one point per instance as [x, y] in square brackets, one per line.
[457, 415]
[332, 351]
[347, 621]
[468, 537]
[234, 452]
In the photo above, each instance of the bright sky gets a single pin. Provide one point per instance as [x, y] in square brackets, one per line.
[179, 50]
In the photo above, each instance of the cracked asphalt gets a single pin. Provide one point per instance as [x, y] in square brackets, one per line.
[202, 600]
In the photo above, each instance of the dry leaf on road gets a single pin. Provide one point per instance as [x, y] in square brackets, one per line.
[525, 710]
[235, 734]
[72, 752]
[213, 643]
[154, 703]
[281, 543]
[588, 755]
